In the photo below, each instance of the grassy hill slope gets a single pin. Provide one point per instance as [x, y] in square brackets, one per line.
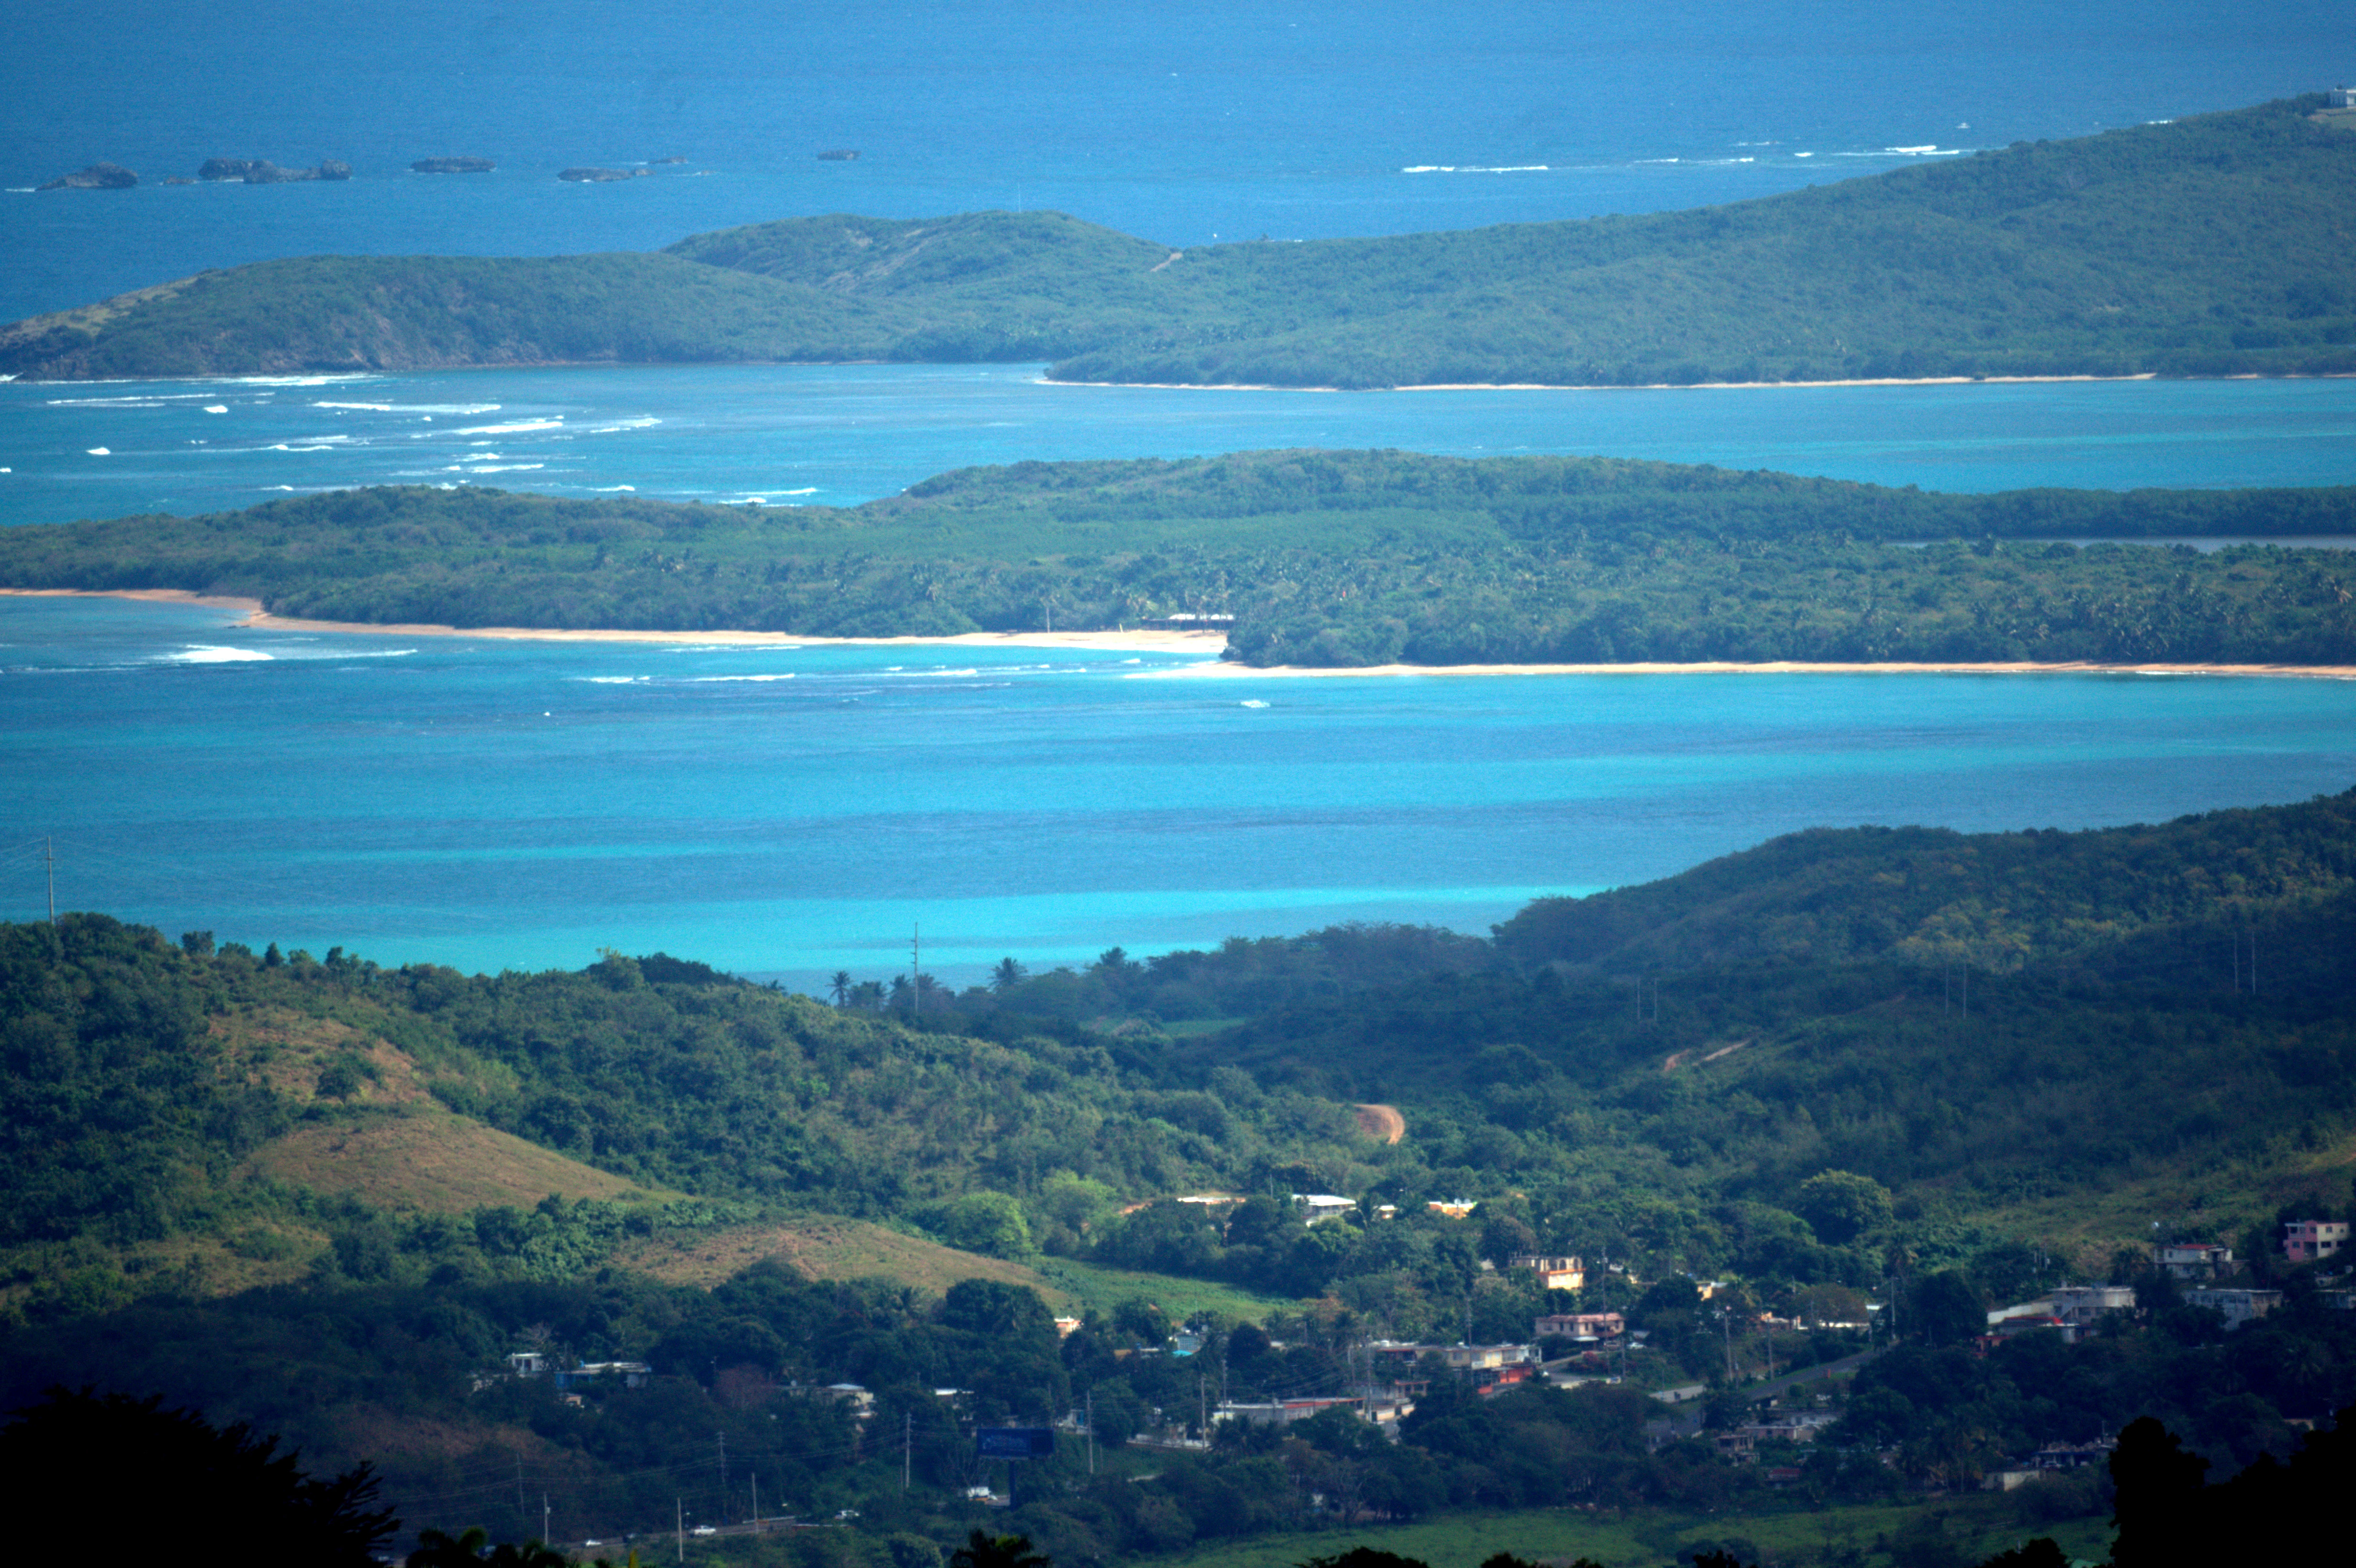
[2212, 246]
[1322, 558]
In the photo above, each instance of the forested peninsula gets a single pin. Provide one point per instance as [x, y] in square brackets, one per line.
[1944, 1070]
[2217, 245]
[1323, 559]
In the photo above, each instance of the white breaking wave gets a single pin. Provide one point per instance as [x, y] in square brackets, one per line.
[517, 428]
[703, 679]
[811, 490]
[1252, 702]
[612, 680]
[203, 653]
[300, 380]
[415, 408]
[100, 452]
[1477, 169]
[506, 467]
[607, 489]
[217, 408]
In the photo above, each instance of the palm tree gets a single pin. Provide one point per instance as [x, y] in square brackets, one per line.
[840, 986]
[1007, 975]
[999, 1551]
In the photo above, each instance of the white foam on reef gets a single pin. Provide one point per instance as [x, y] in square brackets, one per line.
[1251, 702]
[515, 428]
[300, 380]
[608, 489]
[704, 679]
[100, 452]
[415, 408]
[217, 408]
[810, 490]
[506, 467]
[142, 401]
[611, 680]
[204, 652]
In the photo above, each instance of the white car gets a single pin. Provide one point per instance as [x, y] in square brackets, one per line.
[704, 1530]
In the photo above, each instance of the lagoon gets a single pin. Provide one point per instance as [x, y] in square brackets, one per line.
[785, 812]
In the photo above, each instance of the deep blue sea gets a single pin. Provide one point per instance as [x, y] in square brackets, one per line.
[791, 811]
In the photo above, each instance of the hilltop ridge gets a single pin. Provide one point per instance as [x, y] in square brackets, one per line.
[2212, 246]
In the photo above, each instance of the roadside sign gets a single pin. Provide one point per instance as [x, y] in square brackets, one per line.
[1015, 1441]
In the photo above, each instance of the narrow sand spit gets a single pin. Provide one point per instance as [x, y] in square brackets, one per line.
[1208, 645]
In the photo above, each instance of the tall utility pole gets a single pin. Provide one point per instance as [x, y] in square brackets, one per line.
[1092, 1431]
[756, 1502]
[916, 970]
[907, 1446]
[543, 1518]
[679, 1512]
[49, 858]
[520, 1515]
[723, 1474]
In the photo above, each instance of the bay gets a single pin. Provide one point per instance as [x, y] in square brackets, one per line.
[785, 812]
[841, 434]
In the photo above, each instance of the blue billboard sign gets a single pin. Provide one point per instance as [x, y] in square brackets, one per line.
[1015, 1441]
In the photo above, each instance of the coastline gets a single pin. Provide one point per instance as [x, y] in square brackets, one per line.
[1213, 643]
[1223, 669]
[1681, 386]
[258, 619]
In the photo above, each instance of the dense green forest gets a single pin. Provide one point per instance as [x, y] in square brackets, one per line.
[1938, 1069]
[2209, 246]
[1323, 559]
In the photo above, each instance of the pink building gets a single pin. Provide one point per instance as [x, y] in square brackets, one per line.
[2305, 1240]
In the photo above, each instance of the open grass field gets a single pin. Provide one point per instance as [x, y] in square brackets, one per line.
[435, 1161]
[1860, 1536]
[826, 1248]
[1092, 1284]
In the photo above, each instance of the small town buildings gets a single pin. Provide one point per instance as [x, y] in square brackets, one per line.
[1555, 1272]
[1282, 1412]
[2239, 1306]
[528, 1364]
[2307, 1241]
[2196, 1260]
[1398, 1354]
[2078, 1305]
[1578, 1325]
[2341, 98]
[629, 1374]
[1454, 1208]
[1316, 1208]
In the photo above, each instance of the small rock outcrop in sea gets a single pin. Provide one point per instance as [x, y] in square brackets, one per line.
[262, 171]
[98, 176]
[454, 166]
[669, 160]
[840, 156]
[600, 177]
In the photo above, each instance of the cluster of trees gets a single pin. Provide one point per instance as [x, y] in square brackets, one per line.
[2202, 247]
[1322, 558]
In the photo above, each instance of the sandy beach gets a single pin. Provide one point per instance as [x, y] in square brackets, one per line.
[1207, 644]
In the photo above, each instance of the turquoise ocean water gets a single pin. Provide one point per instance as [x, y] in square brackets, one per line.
[791, 811]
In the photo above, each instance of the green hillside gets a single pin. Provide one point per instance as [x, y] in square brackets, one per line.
[1323, 559]
[2209, 246]
[1770, 1071]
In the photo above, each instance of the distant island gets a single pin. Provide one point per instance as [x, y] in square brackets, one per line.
[1329, 559]
[97, 176]
[2206, 246]
[454, 166]
[262, 171]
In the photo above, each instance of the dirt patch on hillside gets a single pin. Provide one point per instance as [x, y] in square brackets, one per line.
[1382, 1122]
[824, 1248]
